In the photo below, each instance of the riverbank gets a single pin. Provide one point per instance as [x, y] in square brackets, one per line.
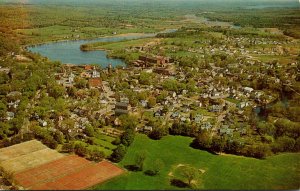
[100, 37]
[108, 46]
[83, 39]
[68, 51]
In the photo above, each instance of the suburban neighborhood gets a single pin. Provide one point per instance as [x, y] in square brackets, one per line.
[140, 95]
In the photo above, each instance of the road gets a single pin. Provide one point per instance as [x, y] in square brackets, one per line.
[111, 101]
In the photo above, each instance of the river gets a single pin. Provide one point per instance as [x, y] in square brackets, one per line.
[203, 20]
[68, 52]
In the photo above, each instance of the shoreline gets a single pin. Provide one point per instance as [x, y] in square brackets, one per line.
[87, 41]
[105, 36]
[93, 38]
[107, 50]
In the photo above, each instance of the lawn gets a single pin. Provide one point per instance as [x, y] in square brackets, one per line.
[102, 143]
[105, 141]
[268, 58]
[205, 112]
[120, 44]
[221, 171]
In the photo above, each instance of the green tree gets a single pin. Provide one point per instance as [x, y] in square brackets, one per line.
[17, 123]
[4, 89]
[294, 113]
[218, 143]
[4, 130]
[203, 141]
[89, 130]
[283, 144]
[297, 145]
[118, 153]
[96, 155]
[80, 83]
[95, 93]
[128, 121]
[3, 110]
[145, 78]
[59, 137]
[266, 128]
[80, 149]
[50, 142]
[140, 159]
[189, 173]
[261, 151]
[157, 133]
[56, 91]
[127, 137]
[68, 147]
[151, 102]
[72, 91]
[157, 166]
[162, 96]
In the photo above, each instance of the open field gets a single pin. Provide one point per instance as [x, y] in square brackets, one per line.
[68, 173]
[118, 45]
[30, 160]
[84, 178]
[221, 171]
[55, 169]
[281, 59]
[21, 157]
[101, 142]
[20, 149]
[46, 169]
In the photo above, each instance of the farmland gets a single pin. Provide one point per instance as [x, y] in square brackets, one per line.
[221, 171]
[31, 165]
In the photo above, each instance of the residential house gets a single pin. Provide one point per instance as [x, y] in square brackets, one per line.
[248, 89]
[225, 130]
[243, 104]
[88, 67]
[216, 108]
[144, 103]
[4, 70]
[121, 108]
[206, 126]
[95, 74]
[10, 115]
[13, 105]
[198, 118]
[95, 83]
[175, 115]
[42, 123]
[147, 129]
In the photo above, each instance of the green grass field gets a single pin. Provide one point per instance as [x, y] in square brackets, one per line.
[119, 45]
[269, 58]
[57, 32]
[102, 143]
[221, 171]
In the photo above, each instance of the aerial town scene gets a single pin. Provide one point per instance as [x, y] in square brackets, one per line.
[149, 95]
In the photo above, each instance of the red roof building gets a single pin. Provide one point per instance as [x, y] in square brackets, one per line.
[95, 83]
[88, 67]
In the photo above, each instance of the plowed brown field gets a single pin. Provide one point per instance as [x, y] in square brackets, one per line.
[68, 173]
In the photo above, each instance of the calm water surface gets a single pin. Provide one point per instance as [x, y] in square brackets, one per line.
[68, 52]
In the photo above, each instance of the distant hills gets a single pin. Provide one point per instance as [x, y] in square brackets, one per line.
[253, 4]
